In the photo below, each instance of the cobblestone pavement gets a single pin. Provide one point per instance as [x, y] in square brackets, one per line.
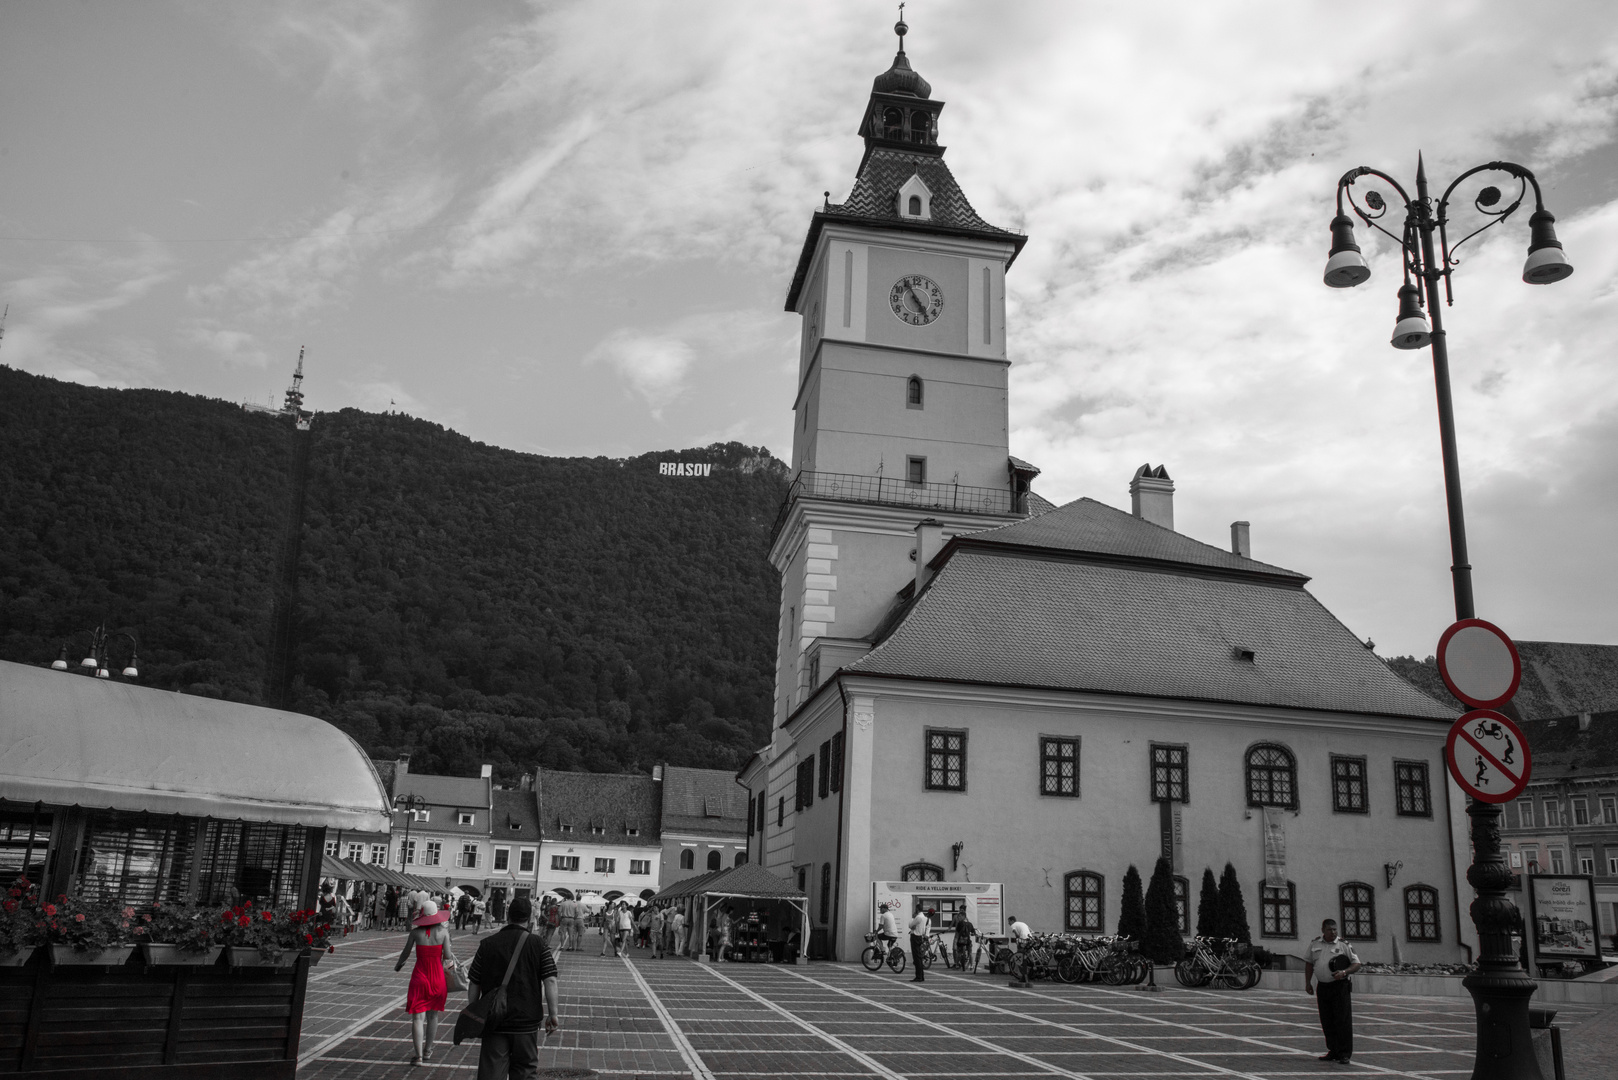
[675, 1018]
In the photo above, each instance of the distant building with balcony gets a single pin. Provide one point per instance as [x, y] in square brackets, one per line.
[704, 821]
[599, 833]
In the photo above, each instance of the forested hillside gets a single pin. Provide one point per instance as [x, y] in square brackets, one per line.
[457, 602]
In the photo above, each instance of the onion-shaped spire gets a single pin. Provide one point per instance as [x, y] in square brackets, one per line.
[901, 78]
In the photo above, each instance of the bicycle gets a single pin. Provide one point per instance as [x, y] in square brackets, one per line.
[873, 957]
[1223, 962]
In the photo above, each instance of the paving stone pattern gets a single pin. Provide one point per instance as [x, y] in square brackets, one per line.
[644, 1017]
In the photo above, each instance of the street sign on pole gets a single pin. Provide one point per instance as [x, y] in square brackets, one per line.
[1479, 663]
[1488, 756]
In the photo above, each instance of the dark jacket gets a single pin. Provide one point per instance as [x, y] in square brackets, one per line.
[525, 998]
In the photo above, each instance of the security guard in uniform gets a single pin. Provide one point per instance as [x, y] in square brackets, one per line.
[1330, 961]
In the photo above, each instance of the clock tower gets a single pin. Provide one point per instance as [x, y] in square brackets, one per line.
[900, 413]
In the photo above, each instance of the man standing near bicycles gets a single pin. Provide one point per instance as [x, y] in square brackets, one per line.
[921, 928]
[1330, 962]
[964, 932]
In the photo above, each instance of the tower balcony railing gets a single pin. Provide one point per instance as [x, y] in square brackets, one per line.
[893, 491]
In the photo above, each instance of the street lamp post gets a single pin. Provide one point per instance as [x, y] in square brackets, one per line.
[409, 804]
[1500, 988]
[99, 660]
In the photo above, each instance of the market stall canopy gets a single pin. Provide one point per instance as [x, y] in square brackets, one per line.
[748, 881]
[73, 740]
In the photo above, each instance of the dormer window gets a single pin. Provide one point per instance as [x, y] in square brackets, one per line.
[566, 826]
[915, 200]
[893, 124]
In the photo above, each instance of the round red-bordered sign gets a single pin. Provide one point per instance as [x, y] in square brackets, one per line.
[1488, 756]
[1479, 663]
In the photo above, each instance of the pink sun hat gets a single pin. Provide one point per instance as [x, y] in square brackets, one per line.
[430, 915]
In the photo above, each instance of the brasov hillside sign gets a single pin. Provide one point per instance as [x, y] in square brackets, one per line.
[684, 468]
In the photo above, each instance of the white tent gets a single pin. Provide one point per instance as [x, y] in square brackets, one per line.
[592, 902]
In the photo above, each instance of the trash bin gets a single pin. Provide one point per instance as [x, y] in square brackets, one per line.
[1547, 1039]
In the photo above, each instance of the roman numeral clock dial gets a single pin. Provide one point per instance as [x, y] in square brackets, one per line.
[915, 299]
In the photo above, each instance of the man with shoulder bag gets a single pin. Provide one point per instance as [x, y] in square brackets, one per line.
[512, 991]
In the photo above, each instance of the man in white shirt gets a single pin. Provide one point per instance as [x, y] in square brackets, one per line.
[572, 926]
[887, 929]
[1019, 933]
[920, 927]
[1331, 961]
[679, 931]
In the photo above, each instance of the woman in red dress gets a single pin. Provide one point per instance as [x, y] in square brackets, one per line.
[425, 1001]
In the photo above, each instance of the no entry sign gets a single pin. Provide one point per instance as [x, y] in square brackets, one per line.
[1488, 756]
[1479, 663]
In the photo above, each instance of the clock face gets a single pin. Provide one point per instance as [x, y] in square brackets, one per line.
[915, 299]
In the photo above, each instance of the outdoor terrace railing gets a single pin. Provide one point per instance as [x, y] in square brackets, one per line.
[893, 491]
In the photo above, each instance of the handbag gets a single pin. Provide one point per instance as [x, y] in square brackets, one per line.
[489, 1009]
[454, 976]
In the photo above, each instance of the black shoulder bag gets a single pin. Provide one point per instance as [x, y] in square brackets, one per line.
[490, 1009]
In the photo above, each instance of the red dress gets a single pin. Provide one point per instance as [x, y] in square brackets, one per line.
[427, 990]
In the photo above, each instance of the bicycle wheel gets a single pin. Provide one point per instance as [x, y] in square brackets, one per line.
[1000, 964]
[1111, 970]
[927, 959]
[871, 958]
[1143, 967]
[1188, 973]
[1068, 969]
[1254, 974]
[896, 960]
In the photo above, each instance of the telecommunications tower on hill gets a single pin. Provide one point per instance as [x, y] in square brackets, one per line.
[292, 405]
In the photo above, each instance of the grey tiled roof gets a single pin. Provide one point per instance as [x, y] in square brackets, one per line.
[1563, 752]
[519, 808]
[1087, 526]
[876, 190]
[1073, 624]
[1564, 678]
[613, 801]
[705, 801]
[466, 792]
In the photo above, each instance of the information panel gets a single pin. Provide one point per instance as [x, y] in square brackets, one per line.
[1564, 914]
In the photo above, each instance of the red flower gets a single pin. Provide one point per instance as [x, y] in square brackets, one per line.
[226, 917]
[308, 939]
[331, 948]
[79, 917]
[11, 905]
[50, 909]
[15, 892]
[61, 898]
[244, 921]
[24, 882]
[268, 917]
[140, 929]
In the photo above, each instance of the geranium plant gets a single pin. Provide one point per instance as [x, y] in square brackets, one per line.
[189, 928]
[21, 925]
[88, 925]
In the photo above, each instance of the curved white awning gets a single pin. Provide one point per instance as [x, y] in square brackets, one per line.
[72, 740]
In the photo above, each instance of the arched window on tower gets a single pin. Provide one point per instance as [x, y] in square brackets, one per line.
[741, 857]
[921, 126]
[893, 124]
[688, 859]
[913, 384]
[915, 206]
[713, 860]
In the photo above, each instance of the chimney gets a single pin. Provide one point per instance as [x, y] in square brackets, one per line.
[929, 539]
[1241, 542]
[401, 767]
[486, 772]
[1151, 496]
[1584, 721]
[657, 772]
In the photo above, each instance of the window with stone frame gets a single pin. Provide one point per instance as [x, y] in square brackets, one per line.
[1553, 814]
[1356, 906]
[1581, 811]
[921, 871]
[1272, 776]
[1413, 795]
[1609, 810]
[1058, 766]
[1086, 907]
[946, 760]
[1170, 769]
[1525, 813]
[1421, 913]
[1278, 911]
[1348, 785]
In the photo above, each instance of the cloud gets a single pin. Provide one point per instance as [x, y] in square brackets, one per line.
[362, 49]
[652, 365]
[236, 347]
[657, 365]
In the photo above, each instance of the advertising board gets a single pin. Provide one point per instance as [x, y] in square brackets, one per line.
[1564, 914]
[945, 902]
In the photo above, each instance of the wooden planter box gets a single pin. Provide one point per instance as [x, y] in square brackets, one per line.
[68, 956]
[181, 1022]
[16, 959]
[157, 954]
[238, 956]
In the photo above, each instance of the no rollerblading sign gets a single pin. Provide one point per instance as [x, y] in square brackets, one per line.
[1488, 756]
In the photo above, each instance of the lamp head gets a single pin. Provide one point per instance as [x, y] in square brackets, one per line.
[1412, 331]
[1547, 262]
[88, 662]
[103, 673]
[131, 672]
[1345, 267]
[60, 663]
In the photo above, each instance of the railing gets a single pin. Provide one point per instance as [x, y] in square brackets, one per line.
[892, 491]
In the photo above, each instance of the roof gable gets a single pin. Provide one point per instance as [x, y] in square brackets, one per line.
[614, 802]
[703, 801]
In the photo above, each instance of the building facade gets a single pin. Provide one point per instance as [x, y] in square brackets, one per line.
[704, 821]
[975, 686]
[599, 833]
[464, 832]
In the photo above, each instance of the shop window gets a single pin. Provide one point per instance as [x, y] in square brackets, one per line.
[1085, 907]
[25, 838]
[1272, 777]
[1356, 904]
[1421, 913]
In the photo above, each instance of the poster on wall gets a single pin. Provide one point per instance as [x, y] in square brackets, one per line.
[944, 902]
[1564, 914]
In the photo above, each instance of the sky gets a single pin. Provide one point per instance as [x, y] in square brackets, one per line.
[569, 228]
